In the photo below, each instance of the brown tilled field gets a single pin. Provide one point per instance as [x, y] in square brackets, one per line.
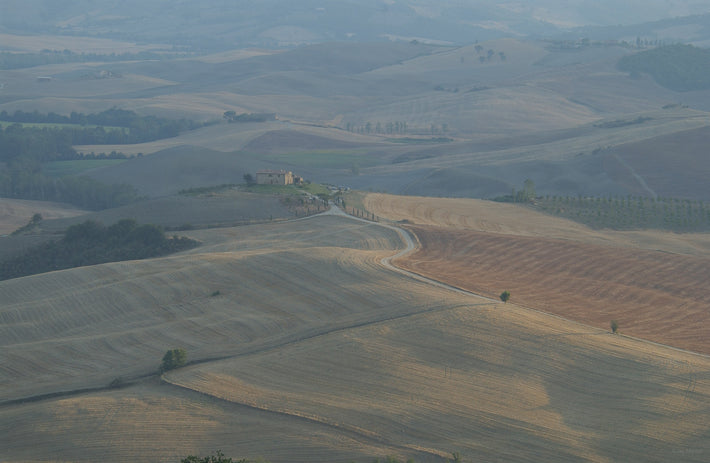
[653, 295]
[589, 276]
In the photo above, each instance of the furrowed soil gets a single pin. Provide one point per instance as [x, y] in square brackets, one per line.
[653, 284]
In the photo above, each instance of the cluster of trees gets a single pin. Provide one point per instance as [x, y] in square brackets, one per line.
[23, 153]
[45, 144]
[9, 60]
[173, 358]
[91, 243]
[35, 144]
[24, 149]
[677, 67]
[26, 181]
[214, 458]
[233, 117]
[396, 127]
[219, 457]
[526, 195]
[111, 127]
[631, 212]
[489, 55]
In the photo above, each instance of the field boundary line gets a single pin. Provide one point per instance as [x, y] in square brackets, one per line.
[356, 432]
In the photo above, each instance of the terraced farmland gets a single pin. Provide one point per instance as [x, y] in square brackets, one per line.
[652, 283]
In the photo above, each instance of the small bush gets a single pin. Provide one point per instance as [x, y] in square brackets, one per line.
[173, 358]
[504, 296]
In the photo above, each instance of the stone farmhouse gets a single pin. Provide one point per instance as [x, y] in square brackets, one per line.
[277, 177]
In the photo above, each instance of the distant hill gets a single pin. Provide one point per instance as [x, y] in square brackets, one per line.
[679, 67]
[217, 25]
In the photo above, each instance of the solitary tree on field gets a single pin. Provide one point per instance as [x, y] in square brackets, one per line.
[614, 326]
[174, 358]
[504, 296]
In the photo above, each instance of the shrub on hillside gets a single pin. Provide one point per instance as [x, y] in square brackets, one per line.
[174, 358]
[504, 296]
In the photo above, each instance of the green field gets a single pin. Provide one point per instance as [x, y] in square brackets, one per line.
[630, 213]
[41, 125]
[312, 188]
[76, 167]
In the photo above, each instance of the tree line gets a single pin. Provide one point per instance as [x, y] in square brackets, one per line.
[23, 153]
[26, 182]
[396, 127]
[25, 149]
[631, 212]
[111, 127]
[219, 457]
[677, 67]
[619, 212]
[9, 60]
[233, 117]
[91, 243]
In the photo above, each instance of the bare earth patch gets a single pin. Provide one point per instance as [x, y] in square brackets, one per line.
[653, 295]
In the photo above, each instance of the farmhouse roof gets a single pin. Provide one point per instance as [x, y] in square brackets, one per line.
[271, 171]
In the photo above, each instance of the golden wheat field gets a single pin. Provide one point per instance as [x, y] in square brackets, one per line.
[305, 347]
[492, 382]
[511, 219]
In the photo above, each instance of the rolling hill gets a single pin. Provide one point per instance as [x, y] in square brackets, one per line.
[307, 340]
[509, 109]
[304, 347]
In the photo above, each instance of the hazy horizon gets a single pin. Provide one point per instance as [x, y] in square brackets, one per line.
[219, 24]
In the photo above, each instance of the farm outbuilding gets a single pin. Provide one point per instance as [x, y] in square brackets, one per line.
[274, 177]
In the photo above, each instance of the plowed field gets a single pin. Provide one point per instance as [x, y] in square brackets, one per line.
[653, 295]
[563, 268]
